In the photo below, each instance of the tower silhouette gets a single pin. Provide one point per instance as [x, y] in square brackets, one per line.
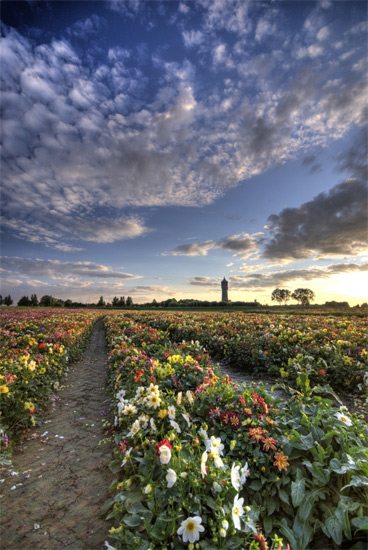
[224, 287]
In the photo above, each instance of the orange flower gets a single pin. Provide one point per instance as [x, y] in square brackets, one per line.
[281, 461]
[257, 433]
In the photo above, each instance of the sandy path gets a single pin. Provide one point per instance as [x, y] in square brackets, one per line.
[63, 475]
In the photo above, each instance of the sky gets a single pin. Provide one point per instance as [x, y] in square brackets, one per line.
[151, 148]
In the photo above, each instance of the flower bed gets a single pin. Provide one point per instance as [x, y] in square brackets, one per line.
[36, 347]
[202, 462]
[331, 350]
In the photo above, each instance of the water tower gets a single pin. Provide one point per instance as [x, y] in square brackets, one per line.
[224, 287]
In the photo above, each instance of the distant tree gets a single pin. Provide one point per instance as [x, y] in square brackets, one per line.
[129, 301]
[115, 302]
[68, 303]
[46, 301]
[24, 301]
[1, 300]
[122, 301]
[303, 295]
[34, 300]
[281, 295]
[101, 302]
[8, 300]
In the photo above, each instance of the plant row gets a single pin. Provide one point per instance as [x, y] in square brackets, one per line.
[330, 350]
[203, 462]
[36, 347]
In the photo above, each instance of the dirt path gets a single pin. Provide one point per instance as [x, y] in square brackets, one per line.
[53, 494]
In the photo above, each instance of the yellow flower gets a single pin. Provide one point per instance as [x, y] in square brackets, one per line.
[4, 389]
[162, 413]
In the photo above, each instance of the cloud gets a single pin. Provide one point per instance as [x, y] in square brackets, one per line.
[91, 129]
[192, 249]
[243, 244]
[258, 281]
[58, 270]
[332, 224]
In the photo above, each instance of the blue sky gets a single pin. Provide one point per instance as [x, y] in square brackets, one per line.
[151, 148]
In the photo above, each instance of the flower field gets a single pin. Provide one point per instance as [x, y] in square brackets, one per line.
[202, 462]
[330, 350]
[36, 346]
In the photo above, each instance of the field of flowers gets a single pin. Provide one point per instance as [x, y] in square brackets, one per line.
[202, 462]
[36, 346]
[331, 350]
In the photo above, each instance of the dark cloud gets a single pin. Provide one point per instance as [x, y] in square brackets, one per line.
[239, 244]
[333, 223]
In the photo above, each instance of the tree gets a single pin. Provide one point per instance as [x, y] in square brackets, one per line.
[34, 300]
[129, 301]
[303, 295]
[281, 295]
[122, 301]
[101, 302]
[24, 301]
[8, 300]
[115, 302]
[1, 300]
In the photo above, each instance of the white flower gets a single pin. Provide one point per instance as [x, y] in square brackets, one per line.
[214, 444]
[237, 511]
[120, 395]
[153, 401]
[165, 454]
[203, 464]
[190, 529]
[178, 399]
[175, 425]
[171, 412]
[143, 419]
[153, 389]
[171, 478]
[126, 457]
[189, 396]
[129, 409]
[140, 391]
[148, 489]
[344, 418]
[217, 459]
[235, 477]
[134, 429]
[153, 424]
[244, 473]
[108, 546]
[225, 524]
[203, 434]
[187, 419]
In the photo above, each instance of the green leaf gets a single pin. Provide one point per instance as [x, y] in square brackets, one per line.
[334, 529]
[106, 507]
[360, 523]
[267, 525]
[342, 515]
[288, 533]
[297, 492]
[284, 496]
[132, 520]
[272, 505]
[255, 485]
[357, 481]
[304, 442]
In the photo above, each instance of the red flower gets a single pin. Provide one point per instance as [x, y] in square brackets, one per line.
[269, 443]
[257, 433]
[262, 541]
[123, 446]
[281, 461]
[322, 372]
[234, 420]
[159, 445]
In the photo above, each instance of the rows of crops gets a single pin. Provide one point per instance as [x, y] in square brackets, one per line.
[330, 350]
[36, 346]
[204, 463]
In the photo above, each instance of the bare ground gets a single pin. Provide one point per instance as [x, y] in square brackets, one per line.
[53, 493]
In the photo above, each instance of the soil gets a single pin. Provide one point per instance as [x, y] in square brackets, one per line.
[59, 479]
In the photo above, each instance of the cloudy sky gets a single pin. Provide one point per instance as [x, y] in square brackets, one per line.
[150, 148]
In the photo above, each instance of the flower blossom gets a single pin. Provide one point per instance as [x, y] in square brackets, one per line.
[171, 478]
[190, 529]
[237, 511]
[344, 418]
